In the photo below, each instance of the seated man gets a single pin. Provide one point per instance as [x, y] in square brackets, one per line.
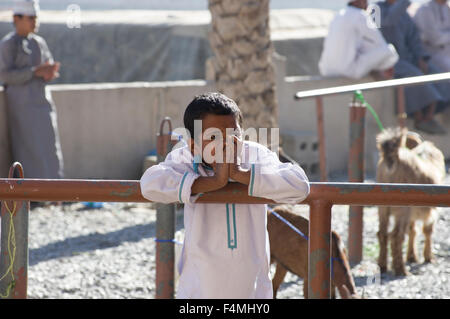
[425, 100]
[354, 46]
[433, 21]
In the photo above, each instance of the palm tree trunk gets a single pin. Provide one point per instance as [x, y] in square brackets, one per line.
[241, 66]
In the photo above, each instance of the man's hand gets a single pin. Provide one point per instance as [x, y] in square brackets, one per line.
[383, 75]
[423, 65]
[388, 74]
[47, 71]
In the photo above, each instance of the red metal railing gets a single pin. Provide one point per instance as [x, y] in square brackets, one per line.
[321, 199]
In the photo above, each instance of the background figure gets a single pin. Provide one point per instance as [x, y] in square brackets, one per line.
[354, 46]
[433, 21]
[26, 64]
[422, 101]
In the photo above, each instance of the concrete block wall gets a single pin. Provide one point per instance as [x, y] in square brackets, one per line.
[107, 129]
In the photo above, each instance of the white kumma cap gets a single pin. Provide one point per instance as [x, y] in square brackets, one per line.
[26, 7]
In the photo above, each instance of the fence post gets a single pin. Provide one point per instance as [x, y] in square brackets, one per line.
[401, 112]
[319, 250]
[356, 175]
[14, 245]
[165, 228]
[321, 133]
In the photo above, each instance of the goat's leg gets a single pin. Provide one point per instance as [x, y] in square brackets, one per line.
[397, 237]
[428, 232]
[280, 273]
[383, 219]
[411, 256]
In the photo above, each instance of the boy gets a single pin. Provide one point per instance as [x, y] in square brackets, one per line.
[226, 248]
[26, 65]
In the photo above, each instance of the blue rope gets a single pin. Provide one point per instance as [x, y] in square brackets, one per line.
[168, 241]
[304, 236]
[289, 224]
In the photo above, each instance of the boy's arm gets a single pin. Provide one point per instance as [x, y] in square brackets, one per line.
[170, 181]
[240, 175]
[205, 184]
[281, 182]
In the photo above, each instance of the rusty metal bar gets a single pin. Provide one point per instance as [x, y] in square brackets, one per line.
[356, 174]
[319, 250]
[165, 228]
[321, 133]
[14, 245]
[401, 113]
[413, 80]
[73, 190]
[321, 198]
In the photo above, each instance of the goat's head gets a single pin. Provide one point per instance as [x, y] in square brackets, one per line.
[389, 142]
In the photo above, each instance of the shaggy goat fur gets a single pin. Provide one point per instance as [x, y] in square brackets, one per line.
[405, 158]
[289, 251]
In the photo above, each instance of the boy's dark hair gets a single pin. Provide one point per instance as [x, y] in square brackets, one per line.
[210, 103]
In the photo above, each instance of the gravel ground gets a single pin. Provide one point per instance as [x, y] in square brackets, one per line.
[75, 252]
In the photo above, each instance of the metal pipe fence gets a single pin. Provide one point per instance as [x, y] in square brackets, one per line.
[321, 199]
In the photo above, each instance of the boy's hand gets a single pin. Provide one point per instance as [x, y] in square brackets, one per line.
[236, 171]
[221, 173]
[205, 184]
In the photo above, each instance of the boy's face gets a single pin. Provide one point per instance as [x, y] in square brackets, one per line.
[26, 24]
[216, 133]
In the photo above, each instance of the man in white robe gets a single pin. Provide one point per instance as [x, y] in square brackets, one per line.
[433, 21]
[354, 46]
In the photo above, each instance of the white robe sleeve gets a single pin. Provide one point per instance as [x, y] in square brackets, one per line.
[354, 47]
[281, 182]
[430, 31]
[169, 181]
[375, 53]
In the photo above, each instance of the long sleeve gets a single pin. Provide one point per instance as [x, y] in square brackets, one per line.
[169, 181]
[280, 182]
[9, 74]
[371, 60]
[431, 33]
[374, 50]
[46, 53]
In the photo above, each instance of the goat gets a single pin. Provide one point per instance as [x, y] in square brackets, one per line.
[405, 158]
[289, 251]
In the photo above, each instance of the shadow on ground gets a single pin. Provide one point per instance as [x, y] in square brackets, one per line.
[76, 245]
